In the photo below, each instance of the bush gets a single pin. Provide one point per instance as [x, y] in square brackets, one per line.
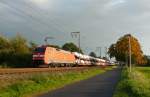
[133, 84]
[15, 52]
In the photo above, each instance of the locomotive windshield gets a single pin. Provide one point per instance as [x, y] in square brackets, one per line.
[41, 50]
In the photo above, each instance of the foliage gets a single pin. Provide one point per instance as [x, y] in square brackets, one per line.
[105, 58]
[71, 47]
[4, 43]
[5, 50]
[32, 46]
[148, 59]
[92, 54]
[120, 50]
[19, 45]
[14, 52]
[135, 84]
[112, 51]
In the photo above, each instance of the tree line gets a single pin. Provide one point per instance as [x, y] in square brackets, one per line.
[17, 51]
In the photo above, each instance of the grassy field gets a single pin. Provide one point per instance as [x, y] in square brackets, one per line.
[134, 84]
[33, 84]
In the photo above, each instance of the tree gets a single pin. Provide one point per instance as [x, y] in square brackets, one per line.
[5, 50]
[32, 46]
[112, 51]
[92, 54]
[4, 43]
[120, 50]
[71, 47]
[15, 52]
[105, 58]
[19, 44]
[147, 58]
[22, 54]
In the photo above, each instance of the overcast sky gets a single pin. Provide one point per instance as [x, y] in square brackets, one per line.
[101, 22]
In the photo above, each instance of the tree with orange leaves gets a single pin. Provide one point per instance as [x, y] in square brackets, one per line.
[120, 50]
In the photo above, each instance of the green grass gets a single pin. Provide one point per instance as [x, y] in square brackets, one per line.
[134, 84]
[40, 83]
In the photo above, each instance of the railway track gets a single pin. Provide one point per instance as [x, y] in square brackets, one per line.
[38, 70]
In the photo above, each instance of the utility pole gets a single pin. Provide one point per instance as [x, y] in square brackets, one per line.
[100, 51]
[105, 52]
[126, 58]
[77, 34]
[130, 53]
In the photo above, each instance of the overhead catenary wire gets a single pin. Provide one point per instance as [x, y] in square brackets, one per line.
[6, 21]
[36, 16]
[18, 13]
[38, 11]
[31, 16]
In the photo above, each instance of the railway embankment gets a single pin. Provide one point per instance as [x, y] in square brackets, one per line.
[28, 84]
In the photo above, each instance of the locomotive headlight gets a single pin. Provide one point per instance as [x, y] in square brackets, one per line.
[41, 55]
[35, 55]
[38, 55]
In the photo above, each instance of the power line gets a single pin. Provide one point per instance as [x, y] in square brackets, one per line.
[26, 14]
[56, 25]
[18, 12]
[41, 21]
[51, 20]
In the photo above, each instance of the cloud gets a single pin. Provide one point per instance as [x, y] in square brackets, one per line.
[116, 2]
[39, 2]
[101, 22]
[112, 5]
[43, 4]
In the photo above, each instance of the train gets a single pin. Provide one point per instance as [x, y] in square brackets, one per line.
[47, 56]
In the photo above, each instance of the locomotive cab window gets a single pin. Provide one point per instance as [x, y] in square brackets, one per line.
[40, 50]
